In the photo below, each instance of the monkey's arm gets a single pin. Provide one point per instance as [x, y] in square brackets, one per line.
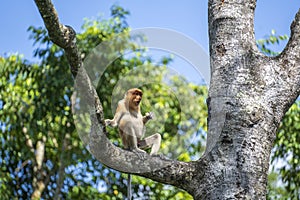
[147, 117]
[110, 122]
[119, 113]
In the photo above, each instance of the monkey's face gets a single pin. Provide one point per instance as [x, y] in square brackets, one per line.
[135, 97]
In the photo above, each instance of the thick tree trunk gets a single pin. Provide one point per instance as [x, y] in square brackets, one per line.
[245, 105]
[249, 94]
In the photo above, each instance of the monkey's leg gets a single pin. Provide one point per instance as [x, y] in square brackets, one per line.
[134, 147]
[152, 141]
[134, 144]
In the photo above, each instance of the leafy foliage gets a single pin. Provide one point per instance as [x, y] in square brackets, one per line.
[275, 189]
[41, 149]
[35, 112]
[287, 150]
[263, 44]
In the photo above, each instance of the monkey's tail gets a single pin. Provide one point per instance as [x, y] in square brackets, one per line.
[129, 193]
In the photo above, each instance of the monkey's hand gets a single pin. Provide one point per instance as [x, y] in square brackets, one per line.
[148, 116]
[109, 122]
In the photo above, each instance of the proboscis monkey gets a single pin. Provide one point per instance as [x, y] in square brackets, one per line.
[131, 124]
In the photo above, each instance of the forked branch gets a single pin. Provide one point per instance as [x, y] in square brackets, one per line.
[163, 170]
[290, 59]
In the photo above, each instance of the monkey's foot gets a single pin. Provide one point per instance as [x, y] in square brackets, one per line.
[140, 153]
[161, 156]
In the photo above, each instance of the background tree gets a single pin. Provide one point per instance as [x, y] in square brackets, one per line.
[42, 155]
[74, 169]
[248, 98]
[287, 152]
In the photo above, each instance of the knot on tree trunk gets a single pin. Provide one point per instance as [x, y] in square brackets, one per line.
[66, 37]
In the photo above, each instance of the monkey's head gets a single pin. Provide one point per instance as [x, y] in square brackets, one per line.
[134, 98]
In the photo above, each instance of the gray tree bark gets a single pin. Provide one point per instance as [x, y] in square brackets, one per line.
[248, 97]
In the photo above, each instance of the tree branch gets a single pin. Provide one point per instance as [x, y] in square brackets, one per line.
[62, 165]
[290, 58]
[38, 181]
[65, 37]
[156, 168]
[61, 35]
